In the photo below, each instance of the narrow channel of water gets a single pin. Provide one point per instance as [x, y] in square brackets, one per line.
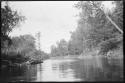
[88, 69]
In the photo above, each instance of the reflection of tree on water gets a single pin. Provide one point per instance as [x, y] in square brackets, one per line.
[11, 73]
[64, 67]
[39, 71]
[24, 73]
[64, 70]
[31, 73]
[93, 69]
[97, 69]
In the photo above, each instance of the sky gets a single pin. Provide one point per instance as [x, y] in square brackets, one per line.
[108, 6]
[54, 19]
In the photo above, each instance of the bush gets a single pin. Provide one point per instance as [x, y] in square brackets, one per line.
[14, 57]
[108, 45]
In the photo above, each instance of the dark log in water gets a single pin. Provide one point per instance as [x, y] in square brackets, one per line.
[36, 62]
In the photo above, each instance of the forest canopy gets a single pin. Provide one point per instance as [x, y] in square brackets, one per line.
[99, 27]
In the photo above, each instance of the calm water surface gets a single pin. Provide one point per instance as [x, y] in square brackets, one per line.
[87, 69]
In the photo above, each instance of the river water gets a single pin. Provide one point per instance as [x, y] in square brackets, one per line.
[70, 69]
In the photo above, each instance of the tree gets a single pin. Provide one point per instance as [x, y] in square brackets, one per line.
[23, 44]
[61, 49]
[53, 50]
[99, 28]
[9, 20]
[104, 10]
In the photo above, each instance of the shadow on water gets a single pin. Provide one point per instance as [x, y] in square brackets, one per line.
[99, 69]
[23, 73]
[90, 69]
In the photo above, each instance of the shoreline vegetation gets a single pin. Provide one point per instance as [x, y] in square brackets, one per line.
[18, 50]
[95, 35]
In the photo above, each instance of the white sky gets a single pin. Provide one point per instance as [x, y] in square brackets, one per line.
[54, 19]
[109, 6]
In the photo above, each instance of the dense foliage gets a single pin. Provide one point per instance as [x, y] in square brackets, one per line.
[17, 49]
[9, 20]
[97, 28]
[22, 48]
[61, 49]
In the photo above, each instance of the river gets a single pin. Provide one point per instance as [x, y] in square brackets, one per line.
[69, 69]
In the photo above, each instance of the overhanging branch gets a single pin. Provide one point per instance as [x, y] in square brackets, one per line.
[116, 26]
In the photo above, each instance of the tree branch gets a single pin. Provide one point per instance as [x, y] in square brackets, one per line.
[116, 26]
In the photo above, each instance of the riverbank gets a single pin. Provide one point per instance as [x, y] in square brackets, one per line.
[113, 54]
[6, 63]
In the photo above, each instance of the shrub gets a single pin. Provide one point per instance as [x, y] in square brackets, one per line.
[108, 45]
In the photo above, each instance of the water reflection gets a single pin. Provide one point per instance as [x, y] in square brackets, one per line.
[87, 69]
[23, 73]
[54, 70]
